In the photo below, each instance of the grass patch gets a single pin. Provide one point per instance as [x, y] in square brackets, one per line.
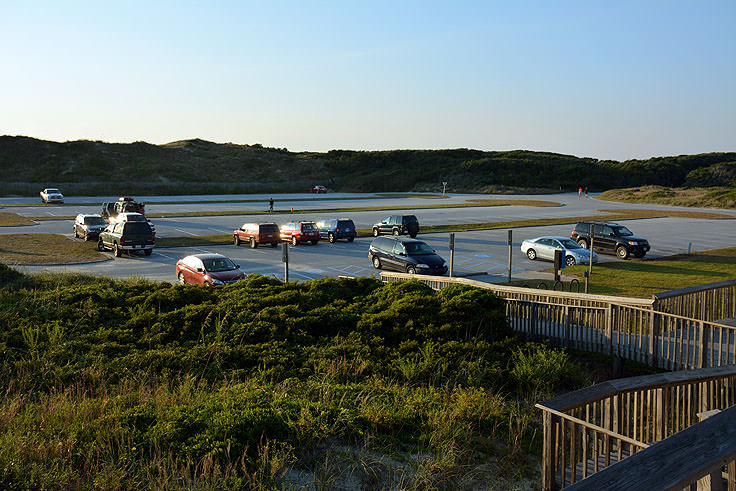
[710, 197]
[643, 278]
[45, 249]
[8, 219]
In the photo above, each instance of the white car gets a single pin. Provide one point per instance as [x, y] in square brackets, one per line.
[51, 195]
[545, 247]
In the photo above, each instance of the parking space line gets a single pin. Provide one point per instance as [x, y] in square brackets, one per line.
[184, 231]
[165, 255]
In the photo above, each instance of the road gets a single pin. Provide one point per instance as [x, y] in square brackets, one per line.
[476, 251]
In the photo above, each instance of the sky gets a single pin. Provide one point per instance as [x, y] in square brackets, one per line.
[595, 78]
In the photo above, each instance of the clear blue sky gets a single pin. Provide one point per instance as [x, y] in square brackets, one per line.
[606, 79]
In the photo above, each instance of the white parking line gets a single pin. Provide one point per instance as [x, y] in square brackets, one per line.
[165, 255]
[201, 250]
[184, 231]
[52, 214]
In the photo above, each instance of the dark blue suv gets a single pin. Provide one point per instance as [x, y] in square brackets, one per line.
[405, 255]
[341, 228]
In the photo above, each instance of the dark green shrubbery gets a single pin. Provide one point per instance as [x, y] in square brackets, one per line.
[129, 382]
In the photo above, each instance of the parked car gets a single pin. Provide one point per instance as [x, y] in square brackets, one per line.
[397, 225]
[318, 189]
[88, 226]
[51, 195]
[257, 233]
[545, 247]
[208, 270]
[405, 255]
[336, 228]
[610, 237]
[128, 237]
[124, 204]
[296, 232]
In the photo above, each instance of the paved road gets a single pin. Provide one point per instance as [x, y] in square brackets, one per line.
[480, 251]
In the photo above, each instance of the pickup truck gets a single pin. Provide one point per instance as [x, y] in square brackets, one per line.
[51, 195]
[128, 237]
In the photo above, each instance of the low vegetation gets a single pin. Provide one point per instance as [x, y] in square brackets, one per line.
[264, 385]
[9, 219]
[643, 278]
[46, 249]
[713, 197]
[83, 168]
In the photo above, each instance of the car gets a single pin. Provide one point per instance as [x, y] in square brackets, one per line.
[208, 270]
[257, 233]
[610, 237]
[319, 189]
[336, 228]
[405, 255]
[545, 247]
[51, 195]
[296, 232]
[397, 225]
[127, 237]
[88, 226]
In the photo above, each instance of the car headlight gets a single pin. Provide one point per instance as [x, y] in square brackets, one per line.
[422, 266]
[633, 242]
[215, 281]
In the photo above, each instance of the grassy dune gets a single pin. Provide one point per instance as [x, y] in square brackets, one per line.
[711, 197]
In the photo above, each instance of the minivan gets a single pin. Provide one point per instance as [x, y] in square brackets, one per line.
[405, 255]
[334, 229]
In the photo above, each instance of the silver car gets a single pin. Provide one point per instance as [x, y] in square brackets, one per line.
[545, 247]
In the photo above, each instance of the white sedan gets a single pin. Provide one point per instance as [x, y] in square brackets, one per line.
[545, 247]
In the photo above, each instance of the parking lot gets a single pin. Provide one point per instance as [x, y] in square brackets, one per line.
[477, 252]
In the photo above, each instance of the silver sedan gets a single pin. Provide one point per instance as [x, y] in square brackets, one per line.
[545, 247]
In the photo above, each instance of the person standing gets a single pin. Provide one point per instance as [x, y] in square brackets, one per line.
[586, 191]
[580, 191]
[270, 205]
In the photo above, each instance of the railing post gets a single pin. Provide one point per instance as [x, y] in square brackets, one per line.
[548, 454]
[609, 327]
[653, 334]
[704, 342]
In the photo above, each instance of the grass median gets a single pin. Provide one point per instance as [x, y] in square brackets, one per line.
[9, 219]
[46, 249]
[643, 278]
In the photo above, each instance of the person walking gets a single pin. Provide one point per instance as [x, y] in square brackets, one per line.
[270, 205]
[586, 191]
[580, 191]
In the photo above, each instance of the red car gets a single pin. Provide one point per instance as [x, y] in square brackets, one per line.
[319, 189]
[257, 233]
[296, 232]
[208, 270]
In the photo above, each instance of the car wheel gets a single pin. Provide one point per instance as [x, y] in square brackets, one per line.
[376, 233]
[294, 242]
[395, 231]
[253, 244]
[331, 238]
[583, 243]
[411, 270]
[100, 246]
[531, 254]
[182, 281]
[274, 244]
[569, 261]
[376, 262]
[236, 239]
[350, 239]
[622, 252]
[117, 250]
[148, 252]
[314, 242]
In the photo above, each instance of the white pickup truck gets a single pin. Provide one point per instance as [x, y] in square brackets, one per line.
[51, 195]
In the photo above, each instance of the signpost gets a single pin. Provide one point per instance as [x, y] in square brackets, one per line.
[510, 241]
[452, 253]
[285, 260]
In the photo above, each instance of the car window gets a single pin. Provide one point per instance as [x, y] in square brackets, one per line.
[218, 264]
[554, 243]
[570, 244]
[582, 228]
[308, 226]
[418, 249]
[269, 228]
[118, 228]
[345, 223]
[544, 242]
[410, 219]
[52, 190]
[398, 248]
[622, 231]
[94, 221]
[137, 228]
[606, 230]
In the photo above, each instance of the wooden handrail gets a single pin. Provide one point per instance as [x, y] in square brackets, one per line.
[693, 289]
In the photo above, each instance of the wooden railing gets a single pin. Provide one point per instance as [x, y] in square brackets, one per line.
[593, 428]
[628, 327]
[709, 302]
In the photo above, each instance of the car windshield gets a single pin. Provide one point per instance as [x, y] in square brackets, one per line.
[137, 228]
[345, 223]
[308, 226]
[52, 190]
[418, 249]
[94, 221]
[622, 231]
[269, 229]
[218, 264]
[570, 244]
[135, 218]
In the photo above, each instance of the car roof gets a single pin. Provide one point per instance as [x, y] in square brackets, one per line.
[599, 223]
[556, 237]
[131, 213]
[403, 240]
[83, 215]
[210, 255]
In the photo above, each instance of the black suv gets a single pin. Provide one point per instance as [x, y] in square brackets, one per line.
[610, 237]
[405, 255]
[397, 225]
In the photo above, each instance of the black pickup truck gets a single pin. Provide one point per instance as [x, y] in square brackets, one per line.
[128, 237]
